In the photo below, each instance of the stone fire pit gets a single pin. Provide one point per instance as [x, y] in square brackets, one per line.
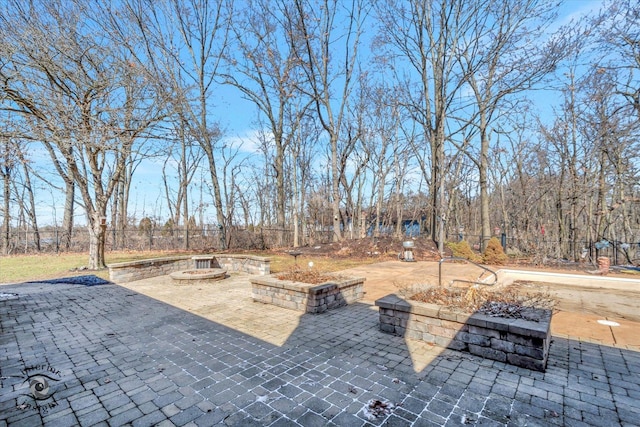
[198, 276]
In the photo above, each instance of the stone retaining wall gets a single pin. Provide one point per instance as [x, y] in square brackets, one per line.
[256, 265]
[137, 270]
[519, 342]
[307, 297]
[123, 272]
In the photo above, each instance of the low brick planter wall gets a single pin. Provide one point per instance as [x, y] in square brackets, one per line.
[307, 297]
[519, 342]
[143, 269]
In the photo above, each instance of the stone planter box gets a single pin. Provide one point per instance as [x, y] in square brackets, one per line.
[518, 342]
[307, 297]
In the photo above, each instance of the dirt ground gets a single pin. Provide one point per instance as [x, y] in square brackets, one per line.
[383, 248]
[388, 248]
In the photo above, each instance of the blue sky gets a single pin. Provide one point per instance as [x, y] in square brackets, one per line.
[237, 117]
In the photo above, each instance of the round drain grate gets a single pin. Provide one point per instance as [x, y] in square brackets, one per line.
[608, 323]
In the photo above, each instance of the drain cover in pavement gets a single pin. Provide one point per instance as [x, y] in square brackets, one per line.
[608, 323]
[7, 297]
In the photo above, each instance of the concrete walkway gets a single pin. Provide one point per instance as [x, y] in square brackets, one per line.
[116, 355]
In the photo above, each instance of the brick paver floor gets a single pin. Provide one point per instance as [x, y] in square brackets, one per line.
[108, 355]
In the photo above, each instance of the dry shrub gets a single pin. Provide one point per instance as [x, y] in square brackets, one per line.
[494, 254]
[462, 249]
[407, 290]
[345, 251]
[314, 277]
[503, 302]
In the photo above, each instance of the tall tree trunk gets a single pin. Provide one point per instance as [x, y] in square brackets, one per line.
[67, 220]
[433, 192]
[485, 222]
[601, 201]
[97, 234]
[31, 211]
[217, 197]
[6, 220]
[184, 190]
[438, 174]
[123, 207]
[335, 189]
[575, 179]
[379, 201]
[280, 188]
[295, 207]
[185, 215]
[114, 216]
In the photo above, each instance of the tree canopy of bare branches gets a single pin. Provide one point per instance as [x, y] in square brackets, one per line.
[464, 118]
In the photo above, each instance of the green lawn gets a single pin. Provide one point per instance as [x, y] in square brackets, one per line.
[22, 268]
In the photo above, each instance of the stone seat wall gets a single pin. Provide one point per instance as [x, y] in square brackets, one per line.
[143, 269]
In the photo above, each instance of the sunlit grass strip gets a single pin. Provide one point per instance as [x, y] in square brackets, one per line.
[22, 268]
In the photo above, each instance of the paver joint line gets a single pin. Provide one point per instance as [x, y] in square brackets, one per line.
[124, 357]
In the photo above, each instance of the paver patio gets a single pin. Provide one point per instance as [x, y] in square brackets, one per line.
[115, 356]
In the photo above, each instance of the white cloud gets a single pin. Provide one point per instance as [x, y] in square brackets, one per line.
[574, 10]
[248, 140]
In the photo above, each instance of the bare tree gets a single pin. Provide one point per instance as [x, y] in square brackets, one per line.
[302, 154]
[185, 42]
[88, 103]
[327, 75]
[427, 36]
[619, 43]
[563, 139]
[614, 135]
[231, 170]
[16, 173]
[183, 159]
[380, 134]
[502, 60]
[264, 66]
[27, 199]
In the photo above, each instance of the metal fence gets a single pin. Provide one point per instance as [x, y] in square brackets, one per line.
[544, 250]
[541, 251]
[54, 240]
